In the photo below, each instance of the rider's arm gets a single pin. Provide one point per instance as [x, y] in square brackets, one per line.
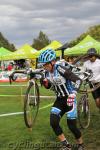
[69, 75]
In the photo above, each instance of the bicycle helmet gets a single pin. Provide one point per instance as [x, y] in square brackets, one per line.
[47, 56]
[92, 51]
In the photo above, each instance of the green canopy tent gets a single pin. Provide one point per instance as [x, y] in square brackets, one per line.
[53, 45]
[3, 52]
[83, 46]
[25, 52]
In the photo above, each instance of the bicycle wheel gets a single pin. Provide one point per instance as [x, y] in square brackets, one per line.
[84, 111]
[31, 104]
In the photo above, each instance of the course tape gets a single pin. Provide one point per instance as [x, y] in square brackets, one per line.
[19, 113]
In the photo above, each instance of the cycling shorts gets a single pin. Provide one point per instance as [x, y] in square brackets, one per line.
[96, 93]
[60, 107]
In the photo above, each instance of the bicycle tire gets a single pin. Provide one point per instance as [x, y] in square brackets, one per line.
[83, 111]
[31, 104]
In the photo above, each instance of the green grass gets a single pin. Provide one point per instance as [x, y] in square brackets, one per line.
[15, 136]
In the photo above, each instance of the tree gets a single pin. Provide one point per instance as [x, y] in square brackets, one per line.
[41, 41]
[5, 43]
[93, 31]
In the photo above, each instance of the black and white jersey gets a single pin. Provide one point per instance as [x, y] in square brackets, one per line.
[62, 80]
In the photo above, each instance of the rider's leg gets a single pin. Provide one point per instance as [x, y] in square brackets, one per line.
[73, 127]
[54, 122]
[57, 111]
[72, 123]
[96, 96]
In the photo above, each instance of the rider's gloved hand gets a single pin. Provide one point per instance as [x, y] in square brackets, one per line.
[46, 83]
[71, 99]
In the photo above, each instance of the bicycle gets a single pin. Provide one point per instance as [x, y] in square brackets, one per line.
[32, 98]
[84, 114]
[32, 95]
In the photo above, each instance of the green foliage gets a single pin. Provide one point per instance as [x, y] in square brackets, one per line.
[93, 31]
[41, 41]
[5, 43]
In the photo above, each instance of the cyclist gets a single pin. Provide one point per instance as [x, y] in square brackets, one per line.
[59, 78]
[93, 63]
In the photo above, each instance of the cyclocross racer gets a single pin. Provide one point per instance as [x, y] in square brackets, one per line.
[60, 79]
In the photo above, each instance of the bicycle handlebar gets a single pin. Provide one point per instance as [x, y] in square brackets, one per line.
[90, 90]
[31, 72]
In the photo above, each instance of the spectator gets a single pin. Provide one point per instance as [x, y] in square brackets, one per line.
[9, 67]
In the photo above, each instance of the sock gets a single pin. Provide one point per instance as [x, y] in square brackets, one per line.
[65, 142]
[81, 145]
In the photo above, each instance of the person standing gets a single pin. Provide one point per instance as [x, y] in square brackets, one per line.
[93, 64]
[9, 67]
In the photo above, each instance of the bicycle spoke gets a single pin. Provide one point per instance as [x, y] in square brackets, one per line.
[31, 106]
[83, 112]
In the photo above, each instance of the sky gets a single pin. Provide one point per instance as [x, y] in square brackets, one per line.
[61, 20]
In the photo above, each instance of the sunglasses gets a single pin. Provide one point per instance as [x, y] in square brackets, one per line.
[46, 64]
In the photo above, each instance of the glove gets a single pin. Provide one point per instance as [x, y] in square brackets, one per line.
[71, 99]
[45, 83]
